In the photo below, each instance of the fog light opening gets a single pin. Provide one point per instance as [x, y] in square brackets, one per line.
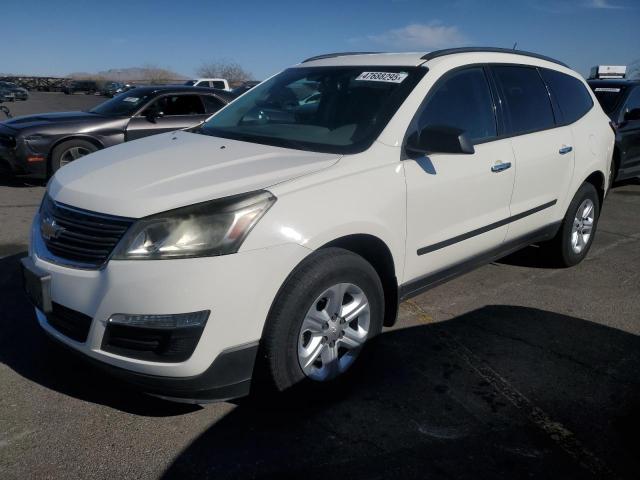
[165, 321]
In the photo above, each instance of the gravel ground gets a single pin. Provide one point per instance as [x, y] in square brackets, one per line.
[515, 370]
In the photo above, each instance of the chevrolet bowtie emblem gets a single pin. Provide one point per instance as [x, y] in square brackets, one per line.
[50, 229]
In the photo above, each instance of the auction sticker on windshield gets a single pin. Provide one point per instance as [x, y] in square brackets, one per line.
[131, 99]
[389, 77]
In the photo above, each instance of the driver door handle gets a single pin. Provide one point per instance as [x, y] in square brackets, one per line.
[499, 167]
[565, 149]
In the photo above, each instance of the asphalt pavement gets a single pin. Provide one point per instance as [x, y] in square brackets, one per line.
[516, 370]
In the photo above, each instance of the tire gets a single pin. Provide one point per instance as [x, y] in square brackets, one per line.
[65, 152]
[564, 248]
[279, 366]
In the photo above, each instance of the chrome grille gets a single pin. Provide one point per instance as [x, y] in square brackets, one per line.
[79, 235]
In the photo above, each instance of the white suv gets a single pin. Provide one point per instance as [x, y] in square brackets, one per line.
[280, 236]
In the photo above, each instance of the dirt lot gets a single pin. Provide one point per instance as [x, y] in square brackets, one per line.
[40, 102]
[513, 371]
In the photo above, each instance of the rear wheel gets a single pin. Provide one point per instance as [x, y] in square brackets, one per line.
[578, 228]
[69, 151]
[328, 308]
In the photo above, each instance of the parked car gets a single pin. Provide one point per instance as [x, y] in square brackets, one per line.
[219, 83]
[620, 99]
[281, 235]
[6, 95]
[18, 92]
[245, 87]
[89, 87]
[40, 144]
[110, 89]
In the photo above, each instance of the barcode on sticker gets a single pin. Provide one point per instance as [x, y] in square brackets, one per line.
[390, 77]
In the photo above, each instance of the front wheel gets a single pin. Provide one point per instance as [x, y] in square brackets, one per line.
[329, 307]
[69, 151]
[578, 228]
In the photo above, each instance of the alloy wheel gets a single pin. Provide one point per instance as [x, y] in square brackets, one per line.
[72, 154]
[333, 331]
[582, 226]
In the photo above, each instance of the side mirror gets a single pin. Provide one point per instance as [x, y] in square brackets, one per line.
[439, 139]
[633, 114]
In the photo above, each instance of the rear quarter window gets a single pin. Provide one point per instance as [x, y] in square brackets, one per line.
[570, 93]
[527, 102]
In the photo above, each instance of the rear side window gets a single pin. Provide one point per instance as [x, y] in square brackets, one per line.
[528, 107]
[570, 93]
[172, 105]
[462, 100]
[216, 84]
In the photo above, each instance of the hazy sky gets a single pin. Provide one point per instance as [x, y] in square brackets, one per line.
[56, 38]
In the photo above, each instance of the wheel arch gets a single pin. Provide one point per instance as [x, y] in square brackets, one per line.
[597, 179]
[377, 253]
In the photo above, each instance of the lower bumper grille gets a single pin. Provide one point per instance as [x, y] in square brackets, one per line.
[156, 345]
[70, 323]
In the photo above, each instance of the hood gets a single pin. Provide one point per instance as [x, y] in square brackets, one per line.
[176, 169]
[44, 119]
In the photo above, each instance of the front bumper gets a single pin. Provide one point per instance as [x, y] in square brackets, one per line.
[238, 290]
[14, 159]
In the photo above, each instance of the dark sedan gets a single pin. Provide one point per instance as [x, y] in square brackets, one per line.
[620, 99]
[13, 91]
[41, 144]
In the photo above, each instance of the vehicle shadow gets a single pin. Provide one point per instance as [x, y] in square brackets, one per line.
[501, 392]
[532, 256]
[27, 350]
[7, 180]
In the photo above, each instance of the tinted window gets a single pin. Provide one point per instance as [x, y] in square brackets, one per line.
[177, 105]
[608, 96]
[570, 93]
[463, 101]
[528, 107]
[212, 104]
[218, 85]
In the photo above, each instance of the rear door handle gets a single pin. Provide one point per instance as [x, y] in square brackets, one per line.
[499, 167]
[565, 149]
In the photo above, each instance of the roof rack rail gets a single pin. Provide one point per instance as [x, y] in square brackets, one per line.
[338, 54]
[451, 51]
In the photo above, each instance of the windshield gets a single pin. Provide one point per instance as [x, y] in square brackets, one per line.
[325, 109]
[609, 97]
[123, 105]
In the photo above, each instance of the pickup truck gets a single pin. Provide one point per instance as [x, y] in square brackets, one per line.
[218, 83]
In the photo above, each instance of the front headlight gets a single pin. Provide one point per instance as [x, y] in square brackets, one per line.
[211, 228]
